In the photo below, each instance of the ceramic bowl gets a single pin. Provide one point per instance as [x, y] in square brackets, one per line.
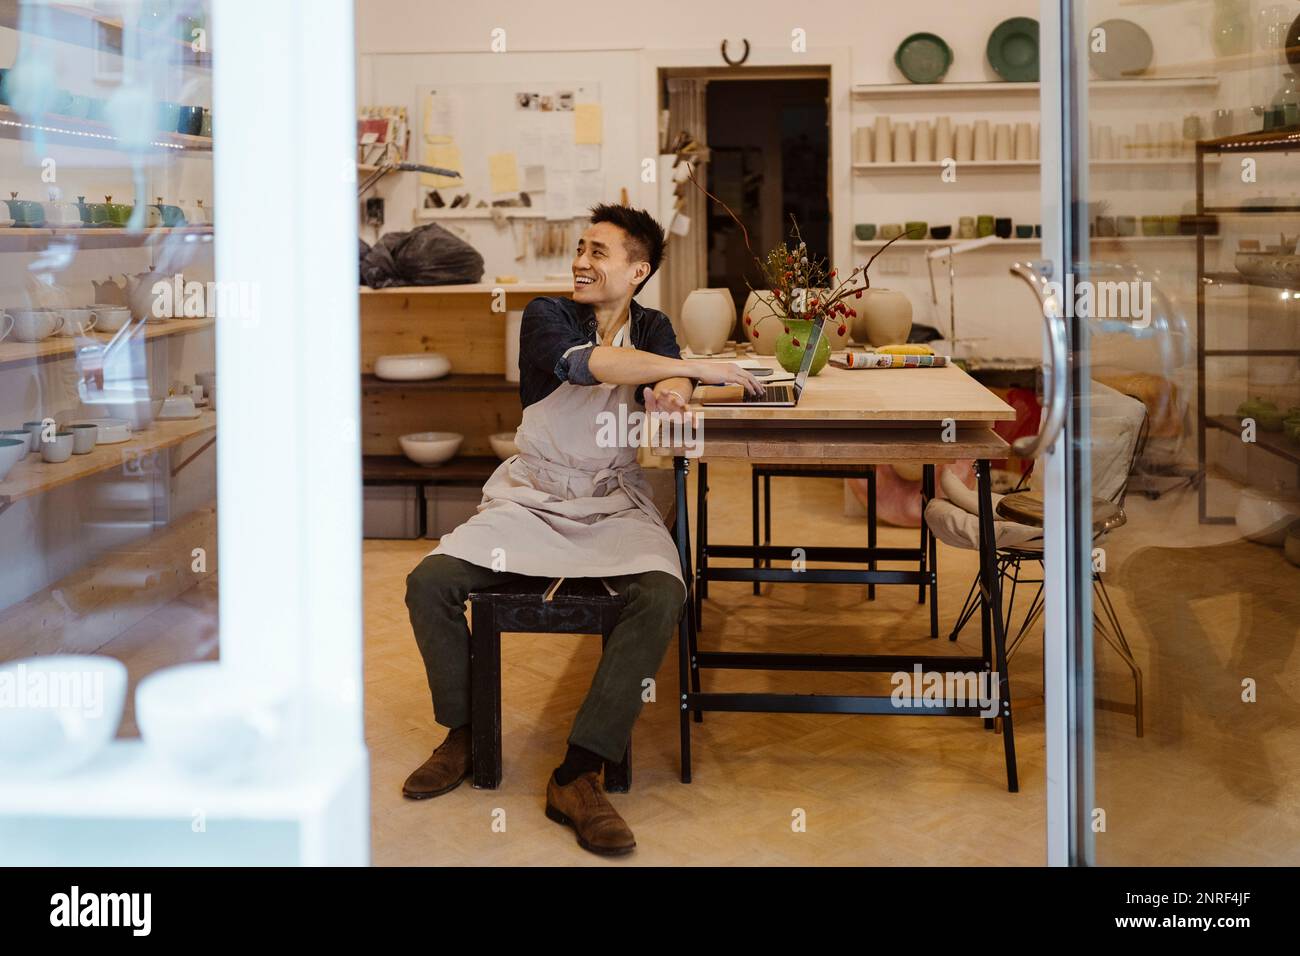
[503, 443]
[430, 448]
[75, 717]
[108, 431]
[84, 438]
[420, 366]
[940, 232]
[208, 722]
[1264, 517]
[12, 451]
[19, 434]
[59, 449]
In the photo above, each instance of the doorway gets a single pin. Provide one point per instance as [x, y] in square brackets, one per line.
[769, 144]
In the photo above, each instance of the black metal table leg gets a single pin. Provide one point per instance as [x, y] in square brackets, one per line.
[767, 515]
[753, 501]
[701, 539]
[932, 551]
[991, 585]
[871, 526]
[680, 466]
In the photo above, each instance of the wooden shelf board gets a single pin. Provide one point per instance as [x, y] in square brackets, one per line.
[84, 27]
[1236, 278]
[478, 288]
[75, 131]
[1178, 82]
[448, 383]
[22, 239]
[1095, 240]
[1275, 443]
[511, 212]
[381, 469]
[1022, 164]
[14, 353]
[32, 476]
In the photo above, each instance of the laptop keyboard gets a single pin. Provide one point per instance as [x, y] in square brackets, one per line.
[772, 393]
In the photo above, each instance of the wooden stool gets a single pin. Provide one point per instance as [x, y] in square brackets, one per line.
[533, 606]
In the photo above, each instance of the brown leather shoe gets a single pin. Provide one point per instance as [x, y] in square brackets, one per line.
[444, 770]
[581, 804]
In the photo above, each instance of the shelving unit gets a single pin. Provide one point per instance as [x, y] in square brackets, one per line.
[1276, 444]
[903, 90]
[18, 353]
[76, 131]
[32, 476]
[448, 383]
[84, 27]
[23, 239]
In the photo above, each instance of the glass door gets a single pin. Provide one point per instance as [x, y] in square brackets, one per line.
[1173, 510]
[180, 676]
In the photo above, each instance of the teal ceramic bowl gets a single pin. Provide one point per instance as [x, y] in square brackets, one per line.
[923, 58]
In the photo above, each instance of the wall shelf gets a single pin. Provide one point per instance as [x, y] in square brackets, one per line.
[1027, 164]
[1264, 282]
[32, 476]
[84, 27]
[385, 469]
[1275, 443]
[1014, 242]
[478, 288]
[74, 131]
[448, 383]
[877, 90]
[18, 353]
[22, 239]
[485, 212]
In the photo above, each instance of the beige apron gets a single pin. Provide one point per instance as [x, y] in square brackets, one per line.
[565, 506]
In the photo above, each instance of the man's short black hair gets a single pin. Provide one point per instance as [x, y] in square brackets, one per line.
[645, 237]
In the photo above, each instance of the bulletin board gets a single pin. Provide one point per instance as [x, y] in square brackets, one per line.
[545, 140]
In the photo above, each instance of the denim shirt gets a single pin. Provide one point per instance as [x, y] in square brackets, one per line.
[555, 342]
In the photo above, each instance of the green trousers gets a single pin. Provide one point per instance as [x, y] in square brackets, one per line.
[436, 592]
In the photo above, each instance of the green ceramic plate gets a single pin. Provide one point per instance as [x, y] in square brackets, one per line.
[1128, 50]
[923, 58]
[1013, 50]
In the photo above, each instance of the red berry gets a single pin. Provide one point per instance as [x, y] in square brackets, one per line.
[756, 333]
[858, 294]
[795, 343]
[843, 329]
[749, 320]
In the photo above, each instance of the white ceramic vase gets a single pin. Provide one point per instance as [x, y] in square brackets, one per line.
[884, 317]
[762, 321]
[708, 316]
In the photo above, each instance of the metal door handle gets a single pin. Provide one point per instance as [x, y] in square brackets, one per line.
[1056, 377]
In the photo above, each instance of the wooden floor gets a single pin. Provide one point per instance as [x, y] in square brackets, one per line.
[1214, 780]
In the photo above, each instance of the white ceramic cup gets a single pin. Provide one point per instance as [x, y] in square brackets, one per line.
[943, 141]
[1144, 147]
[78, 321]
[964, 145]
[195, 392]
[983, 149]
[903, 143]
[884, 151]
[36, 325]
[59, 449]
[84, 438]
[923, 151]
[5, 317]
[1002, 142]
[110, 318]
[1024, 149]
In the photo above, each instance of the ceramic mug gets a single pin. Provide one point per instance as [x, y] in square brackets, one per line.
[34, 429]
[964, 144]
[943, 139]
[1024, 232]
[966, 227]
[883, 151]
[36, 325]
[110, 318]
[1002, 227]
[84, 438]
[864, 231]
[984, 226]
[903, 143]
[1002, 142]
[1024, 150]
[5, 329]
[923, 151]
[59, 450]
[891, 230]
[916, 229]
[983, 148]
[78, 321]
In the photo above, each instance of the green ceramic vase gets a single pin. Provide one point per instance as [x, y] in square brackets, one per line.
[793, 342]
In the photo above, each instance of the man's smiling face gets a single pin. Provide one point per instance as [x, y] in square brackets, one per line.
[603, 271]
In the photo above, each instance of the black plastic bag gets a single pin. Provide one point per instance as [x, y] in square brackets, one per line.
[428, 255]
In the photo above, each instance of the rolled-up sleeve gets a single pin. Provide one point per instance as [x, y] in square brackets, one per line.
[551, 342]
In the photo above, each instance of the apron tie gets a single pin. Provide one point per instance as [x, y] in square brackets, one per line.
[619, 473]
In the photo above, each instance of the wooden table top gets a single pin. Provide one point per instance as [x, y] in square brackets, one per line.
[878, 396]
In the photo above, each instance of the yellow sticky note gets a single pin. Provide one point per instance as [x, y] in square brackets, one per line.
[503, 172]
[445, 156]
[586, 124]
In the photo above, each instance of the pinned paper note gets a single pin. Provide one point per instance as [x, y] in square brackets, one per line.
[587, 124]
[503, 171]
[445, 156]
[534, 179]
[588, 158]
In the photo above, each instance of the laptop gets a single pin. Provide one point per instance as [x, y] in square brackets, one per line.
[781, 394]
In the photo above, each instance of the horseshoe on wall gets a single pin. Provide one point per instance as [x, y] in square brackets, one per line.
[729, 61]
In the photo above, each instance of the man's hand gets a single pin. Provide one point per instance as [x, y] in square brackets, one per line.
[725, 373]
[667, 399]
